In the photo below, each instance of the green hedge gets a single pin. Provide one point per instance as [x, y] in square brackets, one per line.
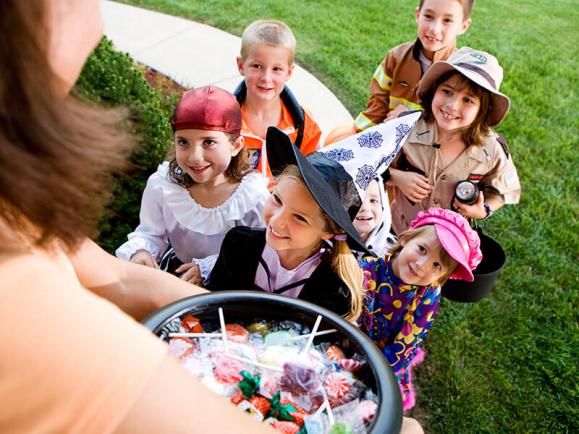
[113, 78]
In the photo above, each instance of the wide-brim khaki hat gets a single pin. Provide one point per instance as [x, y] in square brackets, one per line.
[478, 66]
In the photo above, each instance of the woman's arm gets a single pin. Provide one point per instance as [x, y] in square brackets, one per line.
[136, 289]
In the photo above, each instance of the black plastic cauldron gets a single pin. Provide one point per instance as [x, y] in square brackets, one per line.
[484, 275]
[250, 305]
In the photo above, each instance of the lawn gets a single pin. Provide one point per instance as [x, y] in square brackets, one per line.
[509, 362]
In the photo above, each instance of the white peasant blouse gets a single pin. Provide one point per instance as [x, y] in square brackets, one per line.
[170, 215]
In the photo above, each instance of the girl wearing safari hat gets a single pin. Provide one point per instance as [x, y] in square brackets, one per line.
[403, 287]
[305, 250]
[453, 142]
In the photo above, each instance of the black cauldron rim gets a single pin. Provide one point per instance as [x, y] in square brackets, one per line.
[388, 417]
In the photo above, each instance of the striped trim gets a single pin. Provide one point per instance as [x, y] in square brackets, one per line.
[362, 122]
[394, 101]
[381, 78]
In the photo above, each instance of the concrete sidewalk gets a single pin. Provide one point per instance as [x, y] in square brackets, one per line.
[195, 55]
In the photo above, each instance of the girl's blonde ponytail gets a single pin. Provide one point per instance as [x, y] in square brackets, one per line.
[346, 266]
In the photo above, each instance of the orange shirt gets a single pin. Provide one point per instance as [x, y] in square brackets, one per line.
[70, 362]
[255, 145]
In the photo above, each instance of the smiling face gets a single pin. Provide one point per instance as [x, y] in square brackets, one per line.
[205, 155]
[455, 106]
[439, 23]
[419, 262]
[266, 69]
[370, 213]
[295, 226]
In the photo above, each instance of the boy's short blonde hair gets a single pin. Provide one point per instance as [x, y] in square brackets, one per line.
[466, 7]
[268, 32]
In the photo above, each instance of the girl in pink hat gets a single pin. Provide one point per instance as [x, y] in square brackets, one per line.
[403, 287]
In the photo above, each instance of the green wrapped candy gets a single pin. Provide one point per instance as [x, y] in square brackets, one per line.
[281, 338]
[340, 428]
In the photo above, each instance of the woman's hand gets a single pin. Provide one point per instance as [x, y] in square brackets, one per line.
[191, 273]
[474, 211]
[413, 185]
[144, 258]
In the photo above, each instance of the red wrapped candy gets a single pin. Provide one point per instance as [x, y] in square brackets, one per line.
[334, 353]
[286, 427]
[336, 385]
[227, 370]
[261, 404]
[350, 365]
[236, 333]
[191, 324]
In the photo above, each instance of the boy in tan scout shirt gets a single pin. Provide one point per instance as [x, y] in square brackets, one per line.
[267, 63]
[394, 82]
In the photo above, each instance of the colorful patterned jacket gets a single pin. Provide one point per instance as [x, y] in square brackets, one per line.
[396, 316]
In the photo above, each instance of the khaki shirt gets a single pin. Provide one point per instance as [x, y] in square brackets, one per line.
[487, 163]
[395, 82]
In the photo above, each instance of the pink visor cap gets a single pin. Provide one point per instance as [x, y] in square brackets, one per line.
[457, 238]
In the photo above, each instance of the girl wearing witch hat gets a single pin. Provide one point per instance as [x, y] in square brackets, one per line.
[304, 251]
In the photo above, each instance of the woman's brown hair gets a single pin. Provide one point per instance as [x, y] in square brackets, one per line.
[237, 169]
[476, 132]
[341, 258]
[56, 152]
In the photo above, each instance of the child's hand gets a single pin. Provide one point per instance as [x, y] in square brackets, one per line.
[393, 114]
[475, 211]
[191, 273]
[413, 185]
[144, 258]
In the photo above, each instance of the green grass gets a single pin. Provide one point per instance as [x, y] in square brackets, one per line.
[508, 363]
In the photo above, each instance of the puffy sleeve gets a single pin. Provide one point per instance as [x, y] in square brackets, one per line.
[378, 104]
[151, 233]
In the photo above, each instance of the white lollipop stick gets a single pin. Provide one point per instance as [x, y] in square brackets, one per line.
[251, 362]
[223, 332]
[323, 332]
[194, 335]
[312, 334]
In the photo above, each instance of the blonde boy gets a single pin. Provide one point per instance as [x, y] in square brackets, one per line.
[394, 82]
[267, 62]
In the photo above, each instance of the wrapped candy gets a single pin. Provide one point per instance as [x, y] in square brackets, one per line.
[227, 370]
[282, 338]
[335, 353]
[260, 327]
[180, 348]
[367, 410]
[237, 333]
[337, 386]
[191, 324]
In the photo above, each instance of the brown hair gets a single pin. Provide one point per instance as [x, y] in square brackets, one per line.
[467, 6]
[476, 132]
[447, 261]
[268, 32]
[341, 258]
[237, 169]
[55, 151]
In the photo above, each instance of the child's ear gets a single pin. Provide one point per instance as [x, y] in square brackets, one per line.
[290, 71]
[240, 62]
[417, 13]
[237, 146]
[327, 236]
[464, 26]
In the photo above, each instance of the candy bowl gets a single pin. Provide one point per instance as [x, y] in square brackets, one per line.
[273, 356]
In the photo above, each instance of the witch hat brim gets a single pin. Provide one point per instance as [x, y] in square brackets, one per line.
[328, 182]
